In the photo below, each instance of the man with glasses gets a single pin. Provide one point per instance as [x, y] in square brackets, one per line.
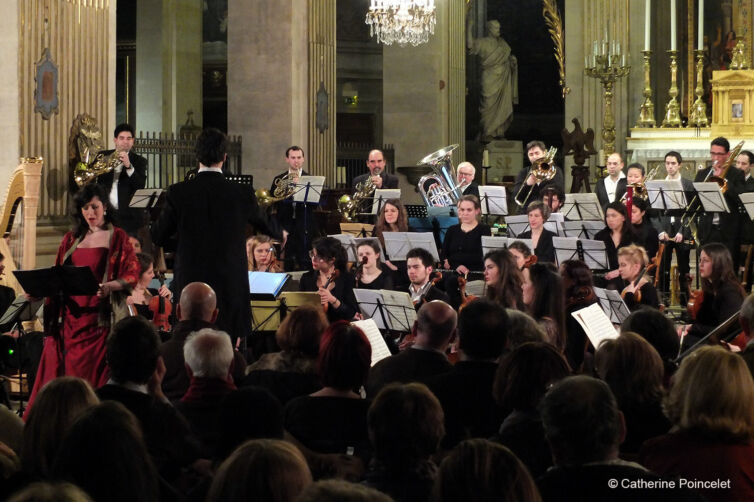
[465, 178]
[722, 227]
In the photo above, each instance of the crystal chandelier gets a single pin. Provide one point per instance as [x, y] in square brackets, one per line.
[401, 21]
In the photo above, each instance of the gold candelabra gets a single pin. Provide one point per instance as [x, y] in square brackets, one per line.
[698, 115]
[647, 110]
[607, 66]
[672, 109]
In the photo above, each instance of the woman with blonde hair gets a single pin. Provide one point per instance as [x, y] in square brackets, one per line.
[711, 407]
[261, 254]
[632, 260]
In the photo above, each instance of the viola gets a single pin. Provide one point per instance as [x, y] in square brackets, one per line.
[335, 274]
[529, 261]
[635, 283]
[161, 308]
[466, 299]
[696, 298]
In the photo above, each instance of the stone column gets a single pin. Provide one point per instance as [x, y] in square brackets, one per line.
[9, 88]
[148, 66]
[267, 82]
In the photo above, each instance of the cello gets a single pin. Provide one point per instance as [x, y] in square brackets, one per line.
[161, 308]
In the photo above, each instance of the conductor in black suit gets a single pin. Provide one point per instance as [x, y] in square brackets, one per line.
[613, 186]
[376, 165]
[209, 216]
[123, 181]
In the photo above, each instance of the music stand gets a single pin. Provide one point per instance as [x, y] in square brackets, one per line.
[381, 195]
[589, 251]
[493, 200]
[357, 229]
[517, 224]
[490, 243]
[582, 206]
[20, 311]
[747, 199]
[146, 198]
[711, 197]
[348, 243]
[391, 310]
[613, 305]
[581, 229]
[666, 195]
[398, 244]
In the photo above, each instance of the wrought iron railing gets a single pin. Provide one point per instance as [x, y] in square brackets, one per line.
[353, 156]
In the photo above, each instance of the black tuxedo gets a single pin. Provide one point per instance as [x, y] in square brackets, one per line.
[536, 189]
[209, 215]
[388, 180]
[601, 191]
[728, 229]
[471, 189]
[297, 219]
[671, 225]
[128, 219]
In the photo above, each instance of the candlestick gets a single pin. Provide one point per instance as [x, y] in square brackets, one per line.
[700, 35]
[698, 115]
[672, 25]
[672, 109]
[647, 9]
[647, 110]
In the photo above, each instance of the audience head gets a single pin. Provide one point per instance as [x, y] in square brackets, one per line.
[345, 356]
[503, 278]
[435, 325]
[104, 453]
[301, 330]
[60, 402]
[482, 328]
[658, 330]
[525, 374]
[51, 492]
[208, 353]
[198, 302]
[261, 469]
[406, 424]
[337, 490]
[392, 215]
[327, 252]
[522, 328]
[542, 294]
[712, 393]
[582, 422]
[478, 469]
[248, 413]
[132, 350]
[632, 368]
[211, 147]
[578, 283]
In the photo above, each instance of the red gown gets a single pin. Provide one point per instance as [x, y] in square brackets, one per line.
[82, 351]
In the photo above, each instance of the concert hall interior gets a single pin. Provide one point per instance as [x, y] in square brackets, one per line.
[410, 250]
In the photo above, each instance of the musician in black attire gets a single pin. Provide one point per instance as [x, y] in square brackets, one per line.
[328, 256]
[462, 247]
[618, 233]
[646, 233]
[419, 262]
[295, 219]
[376, 164]
[370, 272]
[541, 238]
[465, 173]
[722, 227]
[744, 161]
[638, 291]
[527, 184]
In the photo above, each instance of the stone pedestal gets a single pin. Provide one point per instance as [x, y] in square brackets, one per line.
[506, 159]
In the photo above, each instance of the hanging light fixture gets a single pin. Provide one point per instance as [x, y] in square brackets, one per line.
[401, 21]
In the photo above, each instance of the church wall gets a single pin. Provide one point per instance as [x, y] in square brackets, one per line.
[9, 95]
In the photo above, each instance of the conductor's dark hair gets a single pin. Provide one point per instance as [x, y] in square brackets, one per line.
[82, 198]
[132, 350]
[675, 154]
[124, 127]
[294, 148]
[425, 256]
[211, 146]
[720, 141]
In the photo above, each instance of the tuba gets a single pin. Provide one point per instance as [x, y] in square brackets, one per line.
[543, 170]
[444, 191]
[84, 174]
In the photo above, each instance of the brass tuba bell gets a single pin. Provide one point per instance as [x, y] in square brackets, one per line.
[444, 191]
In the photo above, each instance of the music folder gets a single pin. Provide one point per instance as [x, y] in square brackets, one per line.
[266, 285]
[59, 279]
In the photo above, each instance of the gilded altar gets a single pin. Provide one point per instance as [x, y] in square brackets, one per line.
[733, 103]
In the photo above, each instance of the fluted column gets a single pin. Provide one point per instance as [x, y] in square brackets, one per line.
[322, 90]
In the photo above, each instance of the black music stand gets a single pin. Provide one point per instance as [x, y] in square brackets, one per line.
[589, 251]
[21, 310]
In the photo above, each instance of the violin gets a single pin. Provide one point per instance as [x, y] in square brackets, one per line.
[335, 274]
[529, 261]
[635, 283]
[696, 298]
[466, 299]
[161, 308]
[436, 277]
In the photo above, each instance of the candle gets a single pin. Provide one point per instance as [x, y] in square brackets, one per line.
[485, 158]
[595, 47]
[700, 35]
[647, 9]
[672, 25]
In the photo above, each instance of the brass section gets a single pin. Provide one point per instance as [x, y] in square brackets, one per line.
[78, 36]
[672, 108]
[555, 28]
[322, 49]
[698, 116]
[733, 103]
[647, 110]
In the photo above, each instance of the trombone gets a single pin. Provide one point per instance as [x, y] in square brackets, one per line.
[542, 169]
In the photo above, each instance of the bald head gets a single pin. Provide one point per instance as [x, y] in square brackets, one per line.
[436, 324]
[198, 302]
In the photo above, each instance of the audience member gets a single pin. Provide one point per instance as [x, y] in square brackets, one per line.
[11, 428]
[433, 330]
[208, 354]
[291, 372]
[248, 413]
[465, 392]
[523, 377]
[268, 470]
[584, 429]
[483, 471]
[658, 330]
[333, 419]
[746, 319]
[578, 290]
[51, 492]
[136, 371]
[405, 429]
[542, 294]
[633, 370]
[104, 453]
[711, 407]
[522, 328]
[334, 490]
[196, 309]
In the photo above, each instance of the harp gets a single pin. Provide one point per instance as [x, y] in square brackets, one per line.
[18, 220]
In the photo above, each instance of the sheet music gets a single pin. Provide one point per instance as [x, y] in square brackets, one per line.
[357, 229]
[596, 324]
[666, 194]
[379, 348]
[398, 244]
[314, 191]
[517, 224]
[492, 242]
[475, 288]
[582, 229]
[582, 206]
[711, 197]
[747, 199]
[555, 223]
[400, 308]
[143, 197]
[381, 195]
[613, 305]
[493, 200]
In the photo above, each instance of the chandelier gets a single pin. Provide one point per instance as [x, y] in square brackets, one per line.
[401, 21]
